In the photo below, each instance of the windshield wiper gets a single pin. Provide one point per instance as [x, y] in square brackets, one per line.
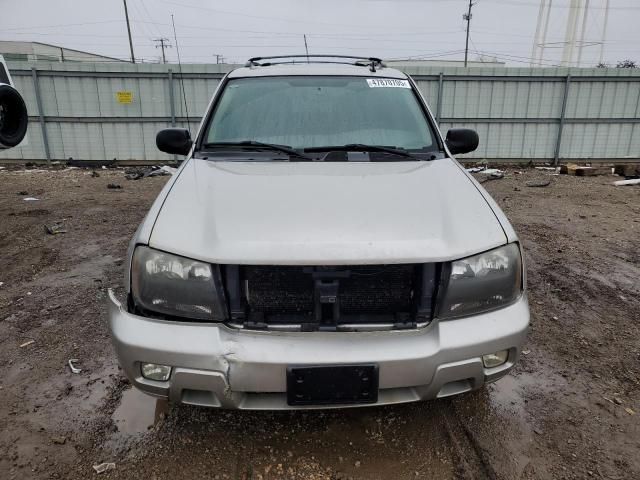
[361, 147]
[259, 145]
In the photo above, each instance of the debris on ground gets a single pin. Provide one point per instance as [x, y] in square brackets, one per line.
[593, 171]
[130, 174]
[493, 172]
[621, 183]
[628, 170]
[114, 186]
[95, 174]
[168, 169]
[629, 411]
[26, 344]
[23, 193]
[59, 440]
[104, 467]
[538, 183]
[55, 228]
[31, 199]
[73, 368]
[549, 169]
[488, 179]
[585, 171]
[144, 172]
[90, 163]
[568, 168]
[489, 173]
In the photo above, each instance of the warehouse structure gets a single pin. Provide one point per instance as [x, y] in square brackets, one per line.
[35, 51]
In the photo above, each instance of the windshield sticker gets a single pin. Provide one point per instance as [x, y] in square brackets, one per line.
[388, 83]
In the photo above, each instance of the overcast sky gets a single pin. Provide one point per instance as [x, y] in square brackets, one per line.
[387, 28]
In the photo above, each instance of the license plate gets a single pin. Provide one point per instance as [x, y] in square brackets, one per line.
[332, 385]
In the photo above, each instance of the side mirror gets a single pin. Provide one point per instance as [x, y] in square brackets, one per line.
[174, 140]
[462, 140]
[13, 117]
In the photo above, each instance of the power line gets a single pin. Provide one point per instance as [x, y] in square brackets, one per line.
[137, 12]
[164, 43]
[155, 27]
[426, 56]
[515, 3]
[184, 93]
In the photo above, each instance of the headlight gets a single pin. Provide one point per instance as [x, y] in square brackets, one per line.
[176, 286]
[483, 282]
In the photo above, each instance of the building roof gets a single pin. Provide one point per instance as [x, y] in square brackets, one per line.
[35, 48]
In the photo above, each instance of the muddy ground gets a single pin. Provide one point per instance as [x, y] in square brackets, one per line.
[571, 409]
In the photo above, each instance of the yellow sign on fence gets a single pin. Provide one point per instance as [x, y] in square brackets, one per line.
[125, 97]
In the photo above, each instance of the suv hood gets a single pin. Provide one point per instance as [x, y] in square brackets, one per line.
[324, 213]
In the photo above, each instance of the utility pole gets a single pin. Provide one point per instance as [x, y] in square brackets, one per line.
[585, 16]
[126, 14]
[543, 43]
[467, 17]
[604, 31]
[306, 47]
[570, 33]
[164, 43]
[219, 58]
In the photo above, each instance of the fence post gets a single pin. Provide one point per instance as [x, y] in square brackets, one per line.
[439, 107]
[43, 126]
[556, 158]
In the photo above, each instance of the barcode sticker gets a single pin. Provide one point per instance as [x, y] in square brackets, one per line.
[388, 83]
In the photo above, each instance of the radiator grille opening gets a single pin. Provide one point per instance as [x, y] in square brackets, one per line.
[330, 297]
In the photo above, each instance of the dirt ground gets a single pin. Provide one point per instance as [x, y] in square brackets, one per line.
[571, 409]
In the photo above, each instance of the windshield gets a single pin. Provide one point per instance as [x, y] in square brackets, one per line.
[307, 112]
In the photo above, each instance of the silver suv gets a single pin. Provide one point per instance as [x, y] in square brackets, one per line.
[319, 247]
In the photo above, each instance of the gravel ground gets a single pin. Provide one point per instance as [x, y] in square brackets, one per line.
[571, 409]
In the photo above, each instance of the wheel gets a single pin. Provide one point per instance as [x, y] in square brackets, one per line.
[13, 117]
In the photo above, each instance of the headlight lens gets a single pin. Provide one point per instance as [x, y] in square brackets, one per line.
[483, 282]
[173, 285]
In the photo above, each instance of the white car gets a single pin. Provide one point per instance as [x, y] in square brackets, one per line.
[319, 247]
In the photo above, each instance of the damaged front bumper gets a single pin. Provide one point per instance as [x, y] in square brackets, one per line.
[217, 366]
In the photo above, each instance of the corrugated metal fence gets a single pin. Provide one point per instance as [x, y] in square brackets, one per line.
[520, 113]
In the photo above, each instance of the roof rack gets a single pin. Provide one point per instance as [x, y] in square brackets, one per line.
[371, 62]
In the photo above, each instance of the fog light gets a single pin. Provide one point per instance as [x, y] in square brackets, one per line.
[495, 359]
[152, 371]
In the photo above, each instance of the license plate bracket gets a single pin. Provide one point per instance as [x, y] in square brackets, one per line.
[332, 385]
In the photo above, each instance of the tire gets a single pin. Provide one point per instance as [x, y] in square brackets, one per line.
[13, 117]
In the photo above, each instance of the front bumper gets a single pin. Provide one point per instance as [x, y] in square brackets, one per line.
[217, 366]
